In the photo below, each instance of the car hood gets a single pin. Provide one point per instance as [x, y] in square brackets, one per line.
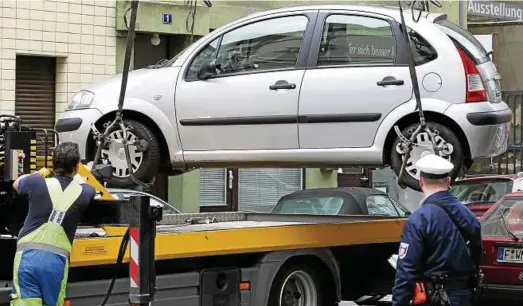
[141, 84]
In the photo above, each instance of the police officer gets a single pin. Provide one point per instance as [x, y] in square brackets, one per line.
[55, 208]
[432, 248]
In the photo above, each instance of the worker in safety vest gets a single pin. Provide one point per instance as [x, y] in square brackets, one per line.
[433, 253]
[44, 244]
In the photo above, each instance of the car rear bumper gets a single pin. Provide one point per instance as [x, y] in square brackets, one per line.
[485, 125]
[75, 126]
[510, 292]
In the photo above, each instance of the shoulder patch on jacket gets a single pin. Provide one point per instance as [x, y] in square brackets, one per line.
[404, 247]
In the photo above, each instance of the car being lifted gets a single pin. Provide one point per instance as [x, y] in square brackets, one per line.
[299, 87]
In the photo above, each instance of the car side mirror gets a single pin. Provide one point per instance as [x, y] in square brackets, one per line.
[207, 70]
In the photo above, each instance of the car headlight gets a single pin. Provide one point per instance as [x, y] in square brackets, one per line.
[82, 99]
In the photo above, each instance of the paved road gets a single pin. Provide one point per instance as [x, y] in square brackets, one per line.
[485, 303]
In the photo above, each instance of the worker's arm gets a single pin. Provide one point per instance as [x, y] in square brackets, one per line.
[16, 184]
[409, 266]
[25, 183]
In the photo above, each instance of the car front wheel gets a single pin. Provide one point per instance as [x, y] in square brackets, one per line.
[453, 152]
[145, 163]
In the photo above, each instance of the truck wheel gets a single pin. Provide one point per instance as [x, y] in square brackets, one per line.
[298, 285]
[145, 164]
[453, 153]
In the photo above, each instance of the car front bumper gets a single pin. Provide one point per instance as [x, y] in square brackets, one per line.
[485, 125]
[75, 126]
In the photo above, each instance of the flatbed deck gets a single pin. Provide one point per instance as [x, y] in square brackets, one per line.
[242, 232]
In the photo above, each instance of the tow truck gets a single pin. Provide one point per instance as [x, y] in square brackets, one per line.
[204, 258]
[236, 258]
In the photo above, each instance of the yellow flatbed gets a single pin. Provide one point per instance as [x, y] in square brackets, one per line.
[246, 233]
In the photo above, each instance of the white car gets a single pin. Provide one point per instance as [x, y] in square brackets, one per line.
[309, 86]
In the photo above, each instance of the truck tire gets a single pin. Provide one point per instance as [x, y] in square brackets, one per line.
[453, 154]
[146, 163]
[299, 281]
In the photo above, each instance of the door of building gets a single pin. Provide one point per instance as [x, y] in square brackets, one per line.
[355, 177]
[35, 101]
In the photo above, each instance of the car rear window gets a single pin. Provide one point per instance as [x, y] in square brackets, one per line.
[511, 210]
[310, 205]
[465, 39]
[481, 191]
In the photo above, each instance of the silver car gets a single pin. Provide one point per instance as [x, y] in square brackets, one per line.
[302, 87]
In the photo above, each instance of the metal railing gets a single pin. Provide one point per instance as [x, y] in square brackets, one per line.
[511, 162]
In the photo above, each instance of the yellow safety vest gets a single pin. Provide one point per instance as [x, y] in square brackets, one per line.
[51, 236]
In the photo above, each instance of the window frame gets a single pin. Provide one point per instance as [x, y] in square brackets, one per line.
[312, 61]
[311, 16]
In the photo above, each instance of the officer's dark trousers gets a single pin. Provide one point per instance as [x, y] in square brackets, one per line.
[458, 298]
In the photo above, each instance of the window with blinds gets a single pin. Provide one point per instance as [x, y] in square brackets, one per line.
[260, 189]
[35, 101]
[212, 187]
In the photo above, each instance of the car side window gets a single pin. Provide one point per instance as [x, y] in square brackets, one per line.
[356, 40]
[422, 51]
[205, 55]
[380, 205]
[259, 46]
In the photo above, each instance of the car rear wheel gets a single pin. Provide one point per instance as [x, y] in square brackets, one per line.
[145, 164]
[453, 152]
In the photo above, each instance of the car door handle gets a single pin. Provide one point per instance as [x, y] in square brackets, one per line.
[282, 85]
[388, 81]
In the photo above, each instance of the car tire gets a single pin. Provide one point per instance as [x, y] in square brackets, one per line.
[456, 156]
[314, 286]
[148, 161]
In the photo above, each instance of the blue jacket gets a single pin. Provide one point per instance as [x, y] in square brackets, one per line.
[431, 245]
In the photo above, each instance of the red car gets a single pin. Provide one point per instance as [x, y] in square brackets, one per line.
[502, 229]
[480, 193]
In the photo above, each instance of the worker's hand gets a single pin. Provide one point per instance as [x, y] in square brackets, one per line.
[44, 172]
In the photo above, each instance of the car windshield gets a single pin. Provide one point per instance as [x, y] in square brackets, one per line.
[465, 39]
[169, 62]
[380, 205]
[488, 191]
[512, 211]
[310, 205]
[167, 209]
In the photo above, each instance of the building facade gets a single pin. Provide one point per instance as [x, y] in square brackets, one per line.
[51, 49]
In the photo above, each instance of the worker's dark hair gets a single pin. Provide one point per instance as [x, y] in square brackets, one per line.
[65, 158]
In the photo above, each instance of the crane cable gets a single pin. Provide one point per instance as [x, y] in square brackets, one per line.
[103, 139]
[408, 144]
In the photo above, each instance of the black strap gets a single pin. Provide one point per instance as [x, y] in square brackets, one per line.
[462, 231]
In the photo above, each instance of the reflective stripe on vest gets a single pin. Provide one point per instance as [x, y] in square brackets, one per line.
[51, 236]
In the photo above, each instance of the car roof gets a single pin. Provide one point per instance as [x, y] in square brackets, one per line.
[381, 9]
[483, 177]
[354, 195]
[362, 191]
[514, 194]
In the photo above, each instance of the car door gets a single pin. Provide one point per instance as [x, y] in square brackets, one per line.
[357, 74]
[251, 101]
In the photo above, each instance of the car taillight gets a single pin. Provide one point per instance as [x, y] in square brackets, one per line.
[475, 89]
